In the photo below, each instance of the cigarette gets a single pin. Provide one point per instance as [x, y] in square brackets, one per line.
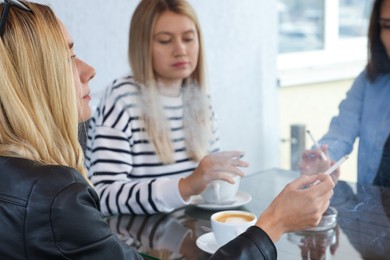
[334, 167]
[317, 145]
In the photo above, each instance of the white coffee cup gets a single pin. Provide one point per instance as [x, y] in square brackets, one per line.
[227, 225]
[220, 191]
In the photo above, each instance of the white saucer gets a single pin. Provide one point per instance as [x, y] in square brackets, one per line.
[240, 199]
[207, 243]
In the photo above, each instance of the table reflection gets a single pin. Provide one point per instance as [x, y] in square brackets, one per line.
[316, 244]
[364, 216]
[163, 236]
[362, 231]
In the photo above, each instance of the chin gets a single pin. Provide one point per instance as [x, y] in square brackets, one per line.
[84, 115]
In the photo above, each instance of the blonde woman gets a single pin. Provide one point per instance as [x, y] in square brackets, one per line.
[48, 210]
[152, 143]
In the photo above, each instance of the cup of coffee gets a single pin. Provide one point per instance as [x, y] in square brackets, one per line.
[219, 191]
[227, 225]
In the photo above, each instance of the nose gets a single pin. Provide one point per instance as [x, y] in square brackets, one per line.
[179, 48]
[87, 72]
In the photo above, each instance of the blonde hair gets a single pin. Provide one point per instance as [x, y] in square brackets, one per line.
[38, 104]
[196, 114]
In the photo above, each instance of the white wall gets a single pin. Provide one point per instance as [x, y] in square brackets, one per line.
[241, 47]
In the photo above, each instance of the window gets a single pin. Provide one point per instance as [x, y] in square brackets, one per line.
[354, 16]
[325, 37]
[301, 24]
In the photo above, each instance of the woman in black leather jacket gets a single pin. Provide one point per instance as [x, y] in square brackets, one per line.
[48, 209]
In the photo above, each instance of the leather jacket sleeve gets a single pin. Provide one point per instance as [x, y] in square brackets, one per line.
[79, 228]
[252, 244]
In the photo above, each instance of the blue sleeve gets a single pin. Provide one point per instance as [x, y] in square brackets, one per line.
[345, 127]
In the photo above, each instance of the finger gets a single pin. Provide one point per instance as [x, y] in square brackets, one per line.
[325, 206]
[227, 178]
[303, 181]
[229, 174]
[326, 179]
[239, 163]
[231, 180]
[322, 185]
[231, 154]
[238, 157]
[324, 148]
[335, 176]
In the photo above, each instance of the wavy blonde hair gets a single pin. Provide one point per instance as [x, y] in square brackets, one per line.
[196, 114]
[38, 103]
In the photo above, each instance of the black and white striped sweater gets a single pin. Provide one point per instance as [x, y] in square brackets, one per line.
[122, 164]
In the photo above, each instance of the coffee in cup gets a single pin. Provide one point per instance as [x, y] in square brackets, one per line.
[227, 225]
[220, 191]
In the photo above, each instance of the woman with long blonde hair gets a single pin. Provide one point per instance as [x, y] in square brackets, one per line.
[152, 142]
[48, 209]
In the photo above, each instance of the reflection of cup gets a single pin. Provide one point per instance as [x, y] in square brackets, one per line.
[226, 225]
[221, 191]
[315, 244]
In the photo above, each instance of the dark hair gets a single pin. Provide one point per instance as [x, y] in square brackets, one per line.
[378, 60]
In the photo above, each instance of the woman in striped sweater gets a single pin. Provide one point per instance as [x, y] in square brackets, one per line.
[152, 142]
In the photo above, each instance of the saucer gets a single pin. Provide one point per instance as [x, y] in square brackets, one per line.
[240, 199]
[207, 243]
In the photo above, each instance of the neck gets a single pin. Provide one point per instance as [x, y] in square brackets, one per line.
[171, 89]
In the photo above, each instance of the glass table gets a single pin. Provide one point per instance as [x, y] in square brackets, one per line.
[362, 230]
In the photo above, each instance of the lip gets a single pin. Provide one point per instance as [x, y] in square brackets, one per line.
[87, 96]
[180, 64]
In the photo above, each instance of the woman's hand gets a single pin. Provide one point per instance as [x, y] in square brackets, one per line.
[296, 207]
[312, 163]
[216, 166]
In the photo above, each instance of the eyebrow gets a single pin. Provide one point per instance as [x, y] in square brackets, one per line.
[189, 31]
[70, 45]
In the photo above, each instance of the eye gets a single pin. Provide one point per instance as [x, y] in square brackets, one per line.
[188, 39]
[164, 41]
[385, 26]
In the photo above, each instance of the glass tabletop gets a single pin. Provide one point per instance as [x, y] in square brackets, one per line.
[362, 230]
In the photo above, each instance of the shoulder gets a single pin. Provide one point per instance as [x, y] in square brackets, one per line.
[120, 94]
[25, 177]
[360, 83]
[125, 86]
[40, 189]
[363, 78]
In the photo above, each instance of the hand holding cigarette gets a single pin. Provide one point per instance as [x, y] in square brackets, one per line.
[317, 145]
[334, 167]
[311, 162]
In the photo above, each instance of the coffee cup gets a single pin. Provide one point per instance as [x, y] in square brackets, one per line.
[227, 225]
[220, 191]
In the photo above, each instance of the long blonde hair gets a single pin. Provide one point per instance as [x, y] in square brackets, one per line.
[38, 104]
[196, 114]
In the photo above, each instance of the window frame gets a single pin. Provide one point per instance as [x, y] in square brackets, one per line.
[341, 58]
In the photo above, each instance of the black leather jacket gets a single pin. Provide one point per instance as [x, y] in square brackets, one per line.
[50, 212]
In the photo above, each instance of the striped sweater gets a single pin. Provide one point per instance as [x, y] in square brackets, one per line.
[122, 164]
